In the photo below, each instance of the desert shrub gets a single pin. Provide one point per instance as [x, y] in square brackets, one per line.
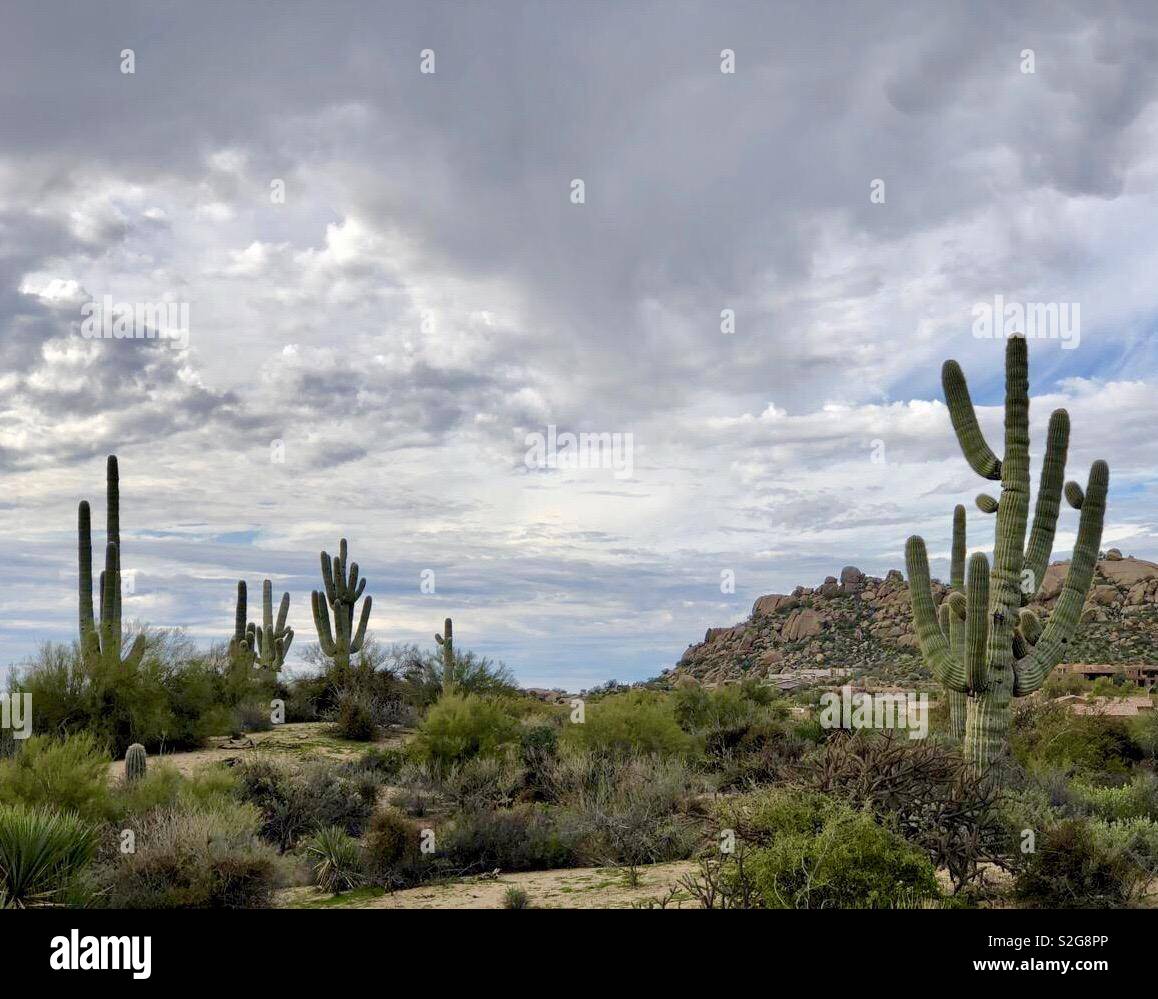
[418, 792]
[923, 790]
[1136, 838]
[337, 860]
[538, 741]
[295, 801]
[383, 763]
[462, 726]
[354, 719]
[698, 709]
[171, 700]
[626, 810]
[538, 749]
[472, 674]
[163, 786]
[637, 815]
[637, 722]
[484, 782]
[516, 898]
[1048, 736]
[523, 838]
[1137, 799]
[392, 854]
[253, 716]
[1144, 733]
[375, 678]
[69, 774]
[812, 852]
[1073, 866]
[200, 859]
[43, 854]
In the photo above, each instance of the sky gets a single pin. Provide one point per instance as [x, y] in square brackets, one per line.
[409, 237]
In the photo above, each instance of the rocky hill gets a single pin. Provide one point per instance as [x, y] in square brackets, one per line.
[863, 622]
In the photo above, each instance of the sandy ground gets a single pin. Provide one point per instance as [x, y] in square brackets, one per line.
[573, 888]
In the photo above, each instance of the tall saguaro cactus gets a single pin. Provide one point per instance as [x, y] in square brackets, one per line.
[244, 641]
[102, 644]
[342, 590]
[446, 643]
[1003, 651]
[273, 642]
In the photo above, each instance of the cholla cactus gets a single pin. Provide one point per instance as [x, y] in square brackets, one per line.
[342, 590]
[103, 644]
[135, 762]
[999, 649]
[244, 641]
[273, 642]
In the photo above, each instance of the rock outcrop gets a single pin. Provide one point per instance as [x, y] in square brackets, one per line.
[864, 622]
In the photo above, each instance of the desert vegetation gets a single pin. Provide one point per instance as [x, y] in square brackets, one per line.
[422, 767]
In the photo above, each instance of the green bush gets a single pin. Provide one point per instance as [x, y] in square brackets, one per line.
[524, 838]
[42, 855]
[70, 774]
[460, 727]
[383, 763]
[295, 801]
[163, 786]
[484, 782]
[816, 852]
[1045, 736]
[637, 722]
[354, 721]
[1077, 866]
[392, 849]
[172, 700]
[199, 859]
[1136, 800]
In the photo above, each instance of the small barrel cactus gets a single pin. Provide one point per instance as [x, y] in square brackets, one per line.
[135, 762]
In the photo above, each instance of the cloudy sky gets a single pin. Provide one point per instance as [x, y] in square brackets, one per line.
[432, 289]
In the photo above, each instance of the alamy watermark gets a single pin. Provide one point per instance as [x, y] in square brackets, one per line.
[886, 710]
[109, 320]
[16, 714]
[999, 319]
[583, 450]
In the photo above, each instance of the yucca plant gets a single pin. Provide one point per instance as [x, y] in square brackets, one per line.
[337, 860]
[41, 853]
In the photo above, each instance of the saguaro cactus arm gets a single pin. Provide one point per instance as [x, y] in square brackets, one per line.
[1031, 672]
[977, 623]
[1049, 491]
[322, 623]
[977, 452]
[949, 671]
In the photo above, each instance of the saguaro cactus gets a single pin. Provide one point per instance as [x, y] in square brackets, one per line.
[273, 642]
[244, 641]
[103, 644]
[135, 762]
[446, 642]
[1001, 651]
[342, 590]
[952, 620]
